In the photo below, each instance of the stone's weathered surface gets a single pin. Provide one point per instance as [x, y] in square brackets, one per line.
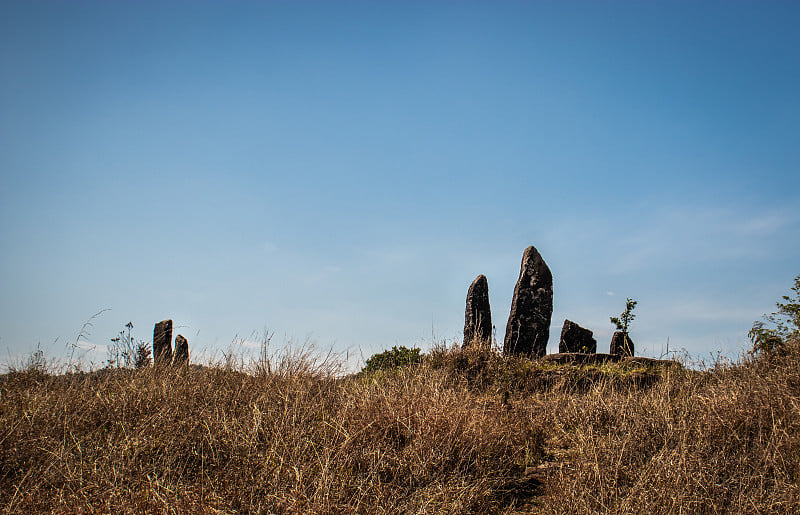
[621, 344]
[181, 351]
[575, 338]
[528, 327]
[162, 343]
[478, 315]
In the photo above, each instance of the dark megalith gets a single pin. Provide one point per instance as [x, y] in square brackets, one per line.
[528, 327]
[621, 344]
[478, 315]
[575, 338]
[181, 351]
[162, 343]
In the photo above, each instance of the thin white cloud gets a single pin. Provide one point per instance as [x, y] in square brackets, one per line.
[701, 235]
[703, 310]
[769, 223]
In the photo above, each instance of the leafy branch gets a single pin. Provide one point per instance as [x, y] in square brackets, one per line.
[624, 320]
[785, 321]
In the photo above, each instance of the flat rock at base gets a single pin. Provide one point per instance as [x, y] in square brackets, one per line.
[580, 358]
[650, 362]
[181, 351]
[528, 327]
[478, 315]
[621, 344]
[575, 338]
[162, 343]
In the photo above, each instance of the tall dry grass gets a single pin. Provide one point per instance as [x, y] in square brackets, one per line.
[465, 432]
[291, 439]
[722, 441]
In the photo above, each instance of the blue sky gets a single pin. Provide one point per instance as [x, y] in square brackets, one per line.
[342, 171]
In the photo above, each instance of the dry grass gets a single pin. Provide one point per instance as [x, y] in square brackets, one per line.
[466, 432]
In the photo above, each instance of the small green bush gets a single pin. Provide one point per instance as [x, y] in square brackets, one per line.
[624, 320]
[126, 351]
[785, 322]
[391, 359]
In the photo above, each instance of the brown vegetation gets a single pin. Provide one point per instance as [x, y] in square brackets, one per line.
[466, 431]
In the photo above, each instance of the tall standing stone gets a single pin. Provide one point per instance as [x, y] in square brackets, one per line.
[478, 315]
[528, 327]
[181, 351]
[621, 344]
[575, 338]
[162, 343]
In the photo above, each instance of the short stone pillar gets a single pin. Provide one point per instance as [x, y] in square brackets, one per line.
[575, 338]
[181, 351]
[162, 343]
[621, 344]
[478, 315]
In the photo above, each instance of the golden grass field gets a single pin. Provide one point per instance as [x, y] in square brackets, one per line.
[465, 431]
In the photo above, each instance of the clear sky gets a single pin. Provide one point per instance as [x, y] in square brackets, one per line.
[342, 171]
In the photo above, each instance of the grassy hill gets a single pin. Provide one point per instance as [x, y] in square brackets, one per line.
[464, 431]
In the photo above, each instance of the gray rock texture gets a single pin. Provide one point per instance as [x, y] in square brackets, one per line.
[181, 351]
[577, 358]
[162, 343]
[575, 338]
[478, 315]
[528, 327]
[621, 344]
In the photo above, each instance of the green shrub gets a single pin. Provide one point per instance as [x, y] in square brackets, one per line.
[126, 351]
[785, 322]
[391, 359]
[624, 320]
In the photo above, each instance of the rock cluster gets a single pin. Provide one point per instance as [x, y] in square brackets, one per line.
[528, 327]
[162, 346]
[478, 315]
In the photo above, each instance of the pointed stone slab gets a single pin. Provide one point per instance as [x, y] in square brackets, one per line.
[181, 351]
[575, 338]
[528, 327]
[162, 343]
[478, 315]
